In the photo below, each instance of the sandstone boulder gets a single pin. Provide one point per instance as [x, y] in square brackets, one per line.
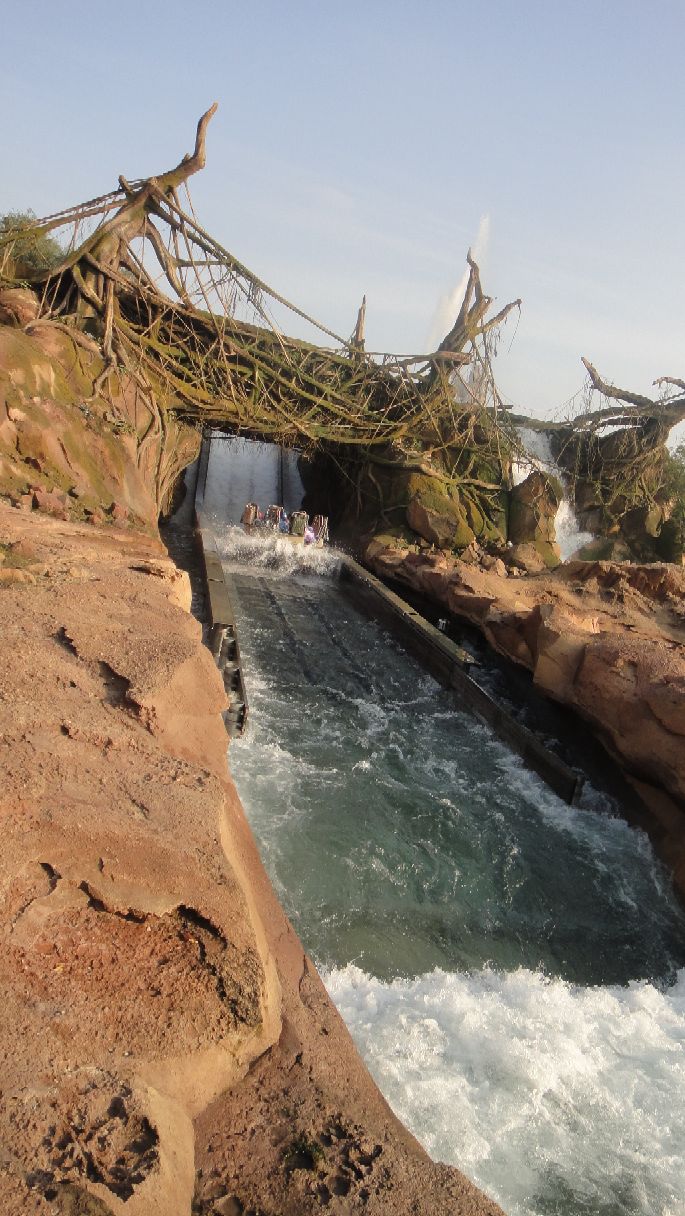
[526, 557]
[640, 527]
[446, 527]
[18, 306]
[532, 511]
[51, 502]
[119, 513]
[489, 562]
[604, 548]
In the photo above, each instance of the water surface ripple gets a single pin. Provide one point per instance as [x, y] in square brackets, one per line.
[510, 967]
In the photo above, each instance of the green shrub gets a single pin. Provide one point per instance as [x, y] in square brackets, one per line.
[674, 483]
[25, 249]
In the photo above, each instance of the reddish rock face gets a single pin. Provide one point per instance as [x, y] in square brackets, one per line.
[159, 1013]
[51, 502]
[119, 513]
[525, 557]
[59, 437]
[18, 306]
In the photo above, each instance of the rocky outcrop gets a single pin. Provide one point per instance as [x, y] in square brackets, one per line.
[135, 986]
[79, 442]
[606, 639]
[166, 1044]
[620, 483]
[18, 306]
[532, 510]
[424, 500]
[442, 523]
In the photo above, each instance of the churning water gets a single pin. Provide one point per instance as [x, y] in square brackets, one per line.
[509, 966]
[570, 537]
[555, 1098]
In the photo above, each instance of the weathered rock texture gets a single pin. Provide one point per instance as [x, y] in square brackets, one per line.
[606, 639]
[532, 512]
[450, 497]
[164, 1040]
[79, 443]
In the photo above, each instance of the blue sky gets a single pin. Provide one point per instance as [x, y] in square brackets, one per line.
[361, 148]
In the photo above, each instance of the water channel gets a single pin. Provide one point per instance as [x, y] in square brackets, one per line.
[511, 968]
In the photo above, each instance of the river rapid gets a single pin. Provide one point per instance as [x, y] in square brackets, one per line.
[511, 968]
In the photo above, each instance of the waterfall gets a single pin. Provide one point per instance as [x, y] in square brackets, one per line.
[570, 538]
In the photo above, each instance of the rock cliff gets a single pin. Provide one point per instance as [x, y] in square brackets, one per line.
[106, 456]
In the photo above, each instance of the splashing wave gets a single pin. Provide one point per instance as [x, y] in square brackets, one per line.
[554, 1098]
[274, 553]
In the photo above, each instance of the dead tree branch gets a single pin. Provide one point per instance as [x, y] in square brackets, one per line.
[201, 337]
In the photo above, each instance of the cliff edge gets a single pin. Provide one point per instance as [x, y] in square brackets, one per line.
[167, 1046]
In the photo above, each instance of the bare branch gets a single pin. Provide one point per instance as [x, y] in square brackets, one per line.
[670, 380]
[190, 164]
[617, 394]
[198, 352]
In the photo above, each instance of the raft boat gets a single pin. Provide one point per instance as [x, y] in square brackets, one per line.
[274, 522]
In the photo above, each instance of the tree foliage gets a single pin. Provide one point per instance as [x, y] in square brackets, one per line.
[24, 250]
[674, 484]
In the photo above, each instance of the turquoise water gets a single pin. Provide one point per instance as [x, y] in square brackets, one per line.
[510, 967]
[404, 837]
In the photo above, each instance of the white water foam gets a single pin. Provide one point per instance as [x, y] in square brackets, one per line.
[265, 550]
[570, 538]
[553, 1098]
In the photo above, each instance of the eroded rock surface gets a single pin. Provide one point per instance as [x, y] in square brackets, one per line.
[164, 1045]
[135, 987]
[305, 1133]
[76, 442]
